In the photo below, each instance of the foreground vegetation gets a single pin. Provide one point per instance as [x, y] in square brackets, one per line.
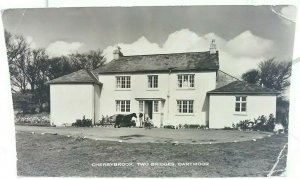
[55, 155]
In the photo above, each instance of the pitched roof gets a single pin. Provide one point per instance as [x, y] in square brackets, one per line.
[199, 61]
[81, 76]
[242, 87]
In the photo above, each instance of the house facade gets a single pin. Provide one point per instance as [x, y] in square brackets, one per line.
[170, 89]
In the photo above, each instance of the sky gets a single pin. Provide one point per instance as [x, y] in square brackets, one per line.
[245, 35]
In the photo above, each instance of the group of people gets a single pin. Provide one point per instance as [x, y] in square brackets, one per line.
[144, 122]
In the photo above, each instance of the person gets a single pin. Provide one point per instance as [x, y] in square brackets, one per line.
[141, 119]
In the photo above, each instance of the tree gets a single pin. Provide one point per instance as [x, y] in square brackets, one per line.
[271, 74]
[18, 52]
[37, 67]
[251, 76]
[90, 60]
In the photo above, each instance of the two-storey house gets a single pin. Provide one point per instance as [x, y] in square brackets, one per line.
[177, 88]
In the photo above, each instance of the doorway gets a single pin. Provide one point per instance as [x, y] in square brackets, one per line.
[149, 109]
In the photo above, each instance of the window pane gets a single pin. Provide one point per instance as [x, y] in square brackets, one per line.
[180, 81]
[155, 106]
[141, 106]
[179, 106]
[237, 107]
[155, 85]
[127, 106]
[118, 106]
[243, 107]
[191, 106]
[244, 98]
[237, 98]
[192, 80]
[184, 106]
[185, 80]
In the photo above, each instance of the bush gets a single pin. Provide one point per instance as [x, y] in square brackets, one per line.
[169, 126]
[83, 123]
[259, 124]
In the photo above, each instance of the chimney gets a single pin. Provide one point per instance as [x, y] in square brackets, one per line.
[117, 53]
[213, 47]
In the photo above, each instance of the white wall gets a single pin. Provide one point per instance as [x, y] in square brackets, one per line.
[70, 102]
[204, 82]
[222, 109]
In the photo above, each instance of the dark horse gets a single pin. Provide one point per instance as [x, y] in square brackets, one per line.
[125, 120]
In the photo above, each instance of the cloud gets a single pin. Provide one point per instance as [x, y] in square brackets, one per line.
[60, 48]
[31, 42]
[237, 55]
[248, 45]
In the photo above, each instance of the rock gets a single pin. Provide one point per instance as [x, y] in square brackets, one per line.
[32, 132]
[42, 133]
[235, 141]
[68, 136]
[120, 141]
[254, 140]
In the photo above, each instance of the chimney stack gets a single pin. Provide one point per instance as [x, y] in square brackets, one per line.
[117, 53]
[213, 47]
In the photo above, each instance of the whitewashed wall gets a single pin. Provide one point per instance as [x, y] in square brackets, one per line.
[70, 102]
[204, 82]
[222, 109]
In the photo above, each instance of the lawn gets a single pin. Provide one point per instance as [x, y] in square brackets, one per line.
[57, 155]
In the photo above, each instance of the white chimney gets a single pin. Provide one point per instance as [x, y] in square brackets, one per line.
[117, 53]
[213, 47]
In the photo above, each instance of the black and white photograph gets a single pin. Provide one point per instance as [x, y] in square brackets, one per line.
[151, 91]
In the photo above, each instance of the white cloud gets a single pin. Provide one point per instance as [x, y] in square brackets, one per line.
[30, 41]
[248, 45]
[237, 55]
[60, 48]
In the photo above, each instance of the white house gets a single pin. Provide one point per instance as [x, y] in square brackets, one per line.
[177, 88]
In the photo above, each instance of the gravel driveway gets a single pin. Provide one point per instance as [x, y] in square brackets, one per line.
[155, 135]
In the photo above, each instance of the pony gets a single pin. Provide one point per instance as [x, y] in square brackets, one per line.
[125, 120]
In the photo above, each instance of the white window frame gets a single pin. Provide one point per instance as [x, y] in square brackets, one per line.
[153, 81]
[123, 82]
[240, 105]
[186, 81]
[155, 106]
[141, 106]
[123, 106]
[185, 106]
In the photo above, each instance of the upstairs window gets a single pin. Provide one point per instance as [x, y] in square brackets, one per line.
[123, 82]
[123, 105]
[186, 81]
[185, 106]
[240, 103]
[152, 81]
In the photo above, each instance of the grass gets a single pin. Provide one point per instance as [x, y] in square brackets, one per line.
[55, 155]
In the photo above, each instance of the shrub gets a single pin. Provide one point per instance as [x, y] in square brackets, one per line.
[261, 124]
[83, 123]
[169, 126]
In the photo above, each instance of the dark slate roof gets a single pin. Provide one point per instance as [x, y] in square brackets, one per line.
[242, 87]
[81, 76]
[199, 61]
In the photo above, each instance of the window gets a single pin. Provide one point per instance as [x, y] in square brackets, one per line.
[123, 82]
[240, 103]
[141, 106]
[185, 106]
[155, 106]
[186, 81]
[152, 81]
[122, 105]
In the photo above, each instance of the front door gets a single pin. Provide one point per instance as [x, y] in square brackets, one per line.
[149, 109]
